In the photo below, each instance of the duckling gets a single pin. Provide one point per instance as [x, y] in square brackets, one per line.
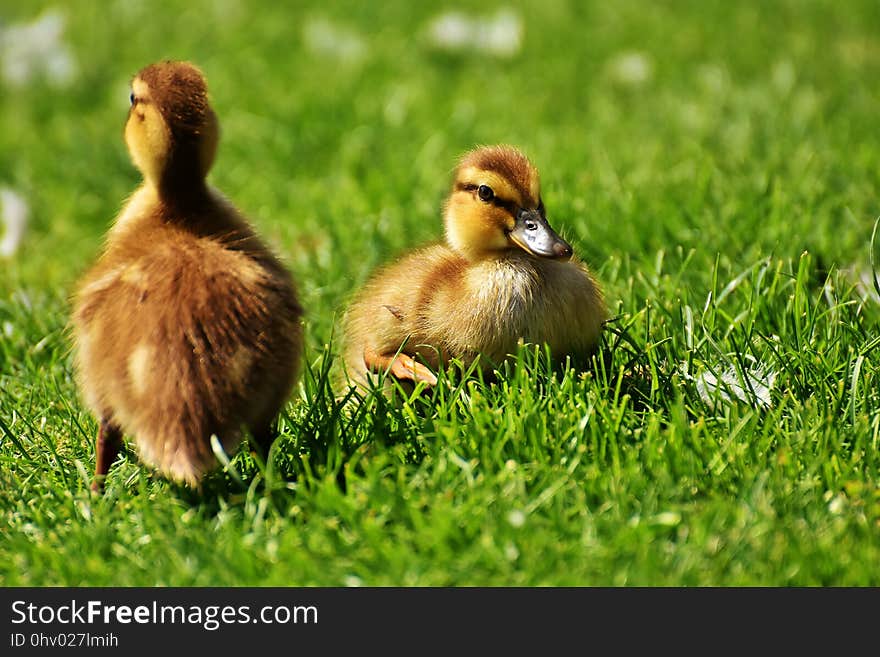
[187, 326]
[503, 276]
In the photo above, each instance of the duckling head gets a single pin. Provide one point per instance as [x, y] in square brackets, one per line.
[495, 206]
[171, 130]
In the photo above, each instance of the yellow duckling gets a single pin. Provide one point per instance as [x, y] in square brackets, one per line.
[187, 326]
[502, 276]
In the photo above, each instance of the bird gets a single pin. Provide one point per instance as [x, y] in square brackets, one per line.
[188, 326]
[502, 277]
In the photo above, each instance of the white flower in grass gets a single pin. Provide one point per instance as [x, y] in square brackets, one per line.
[837, 504]
[14, 216]
[323, 37]
[752, 386]
[667, 519]
[864, 279]
[37, 48]
[516, 518]
[631, 68]
[450, 31]
[499, 35]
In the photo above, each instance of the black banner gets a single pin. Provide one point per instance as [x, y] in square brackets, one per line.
[429, 619]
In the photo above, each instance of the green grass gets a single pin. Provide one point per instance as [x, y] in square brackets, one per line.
[726, 202]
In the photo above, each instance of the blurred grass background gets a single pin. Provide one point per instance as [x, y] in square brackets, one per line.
[740, 129]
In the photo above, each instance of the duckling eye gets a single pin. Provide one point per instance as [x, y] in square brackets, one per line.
[485, 193]
[131, 98]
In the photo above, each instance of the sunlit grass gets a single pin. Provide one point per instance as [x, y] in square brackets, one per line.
[715, 165]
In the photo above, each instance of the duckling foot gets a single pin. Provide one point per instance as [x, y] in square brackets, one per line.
[400, 365]
[107, 448]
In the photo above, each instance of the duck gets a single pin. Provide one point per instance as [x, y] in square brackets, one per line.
[502, 277]
[188, 326]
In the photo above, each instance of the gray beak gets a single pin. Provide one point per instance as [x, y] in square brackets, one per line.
[533, 234]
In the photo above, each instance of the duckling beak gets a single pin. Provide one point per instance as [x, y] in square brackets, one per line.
[533, 234]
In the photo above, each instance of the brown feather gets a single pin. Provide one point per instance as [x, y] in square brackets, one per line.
[187, 325]
[510, 163]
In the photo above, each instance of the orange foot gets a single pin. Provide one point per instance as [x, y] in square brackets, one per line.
[400, 365]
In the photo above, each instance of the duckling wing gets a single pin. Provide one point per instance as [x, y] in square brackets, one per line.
[389, 313]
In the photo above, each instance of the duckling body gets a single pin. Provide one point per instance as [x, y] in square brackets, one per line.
[481, 292]
[187, 326]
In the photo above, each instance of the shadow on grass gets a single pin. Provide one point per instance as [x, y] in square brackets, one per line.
[326, 435]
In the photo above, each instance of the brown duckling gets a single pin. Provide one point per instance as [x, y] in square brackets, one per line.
[187, 326]
[503, 276]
